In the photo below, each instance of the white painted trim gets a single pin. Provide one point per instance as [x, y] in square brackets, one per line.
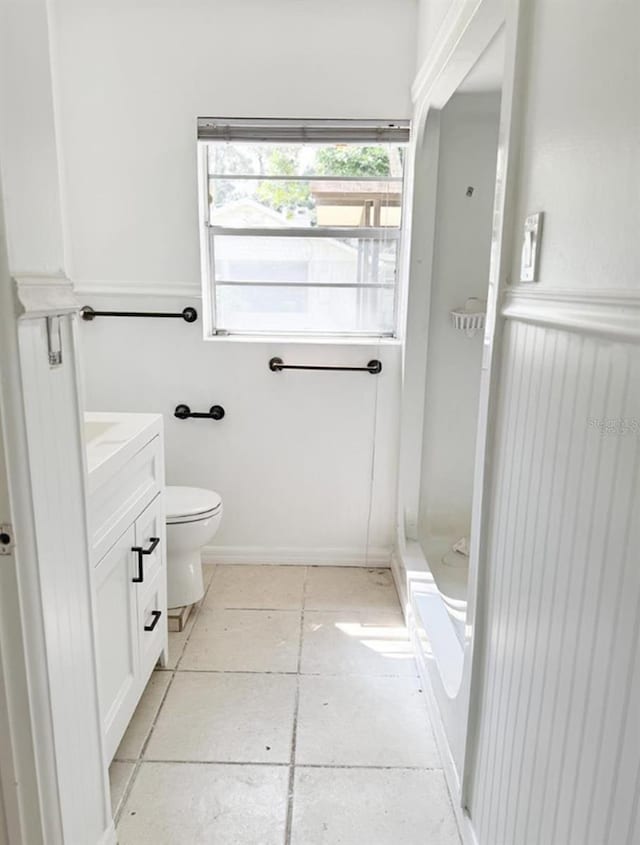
[440, 50]
[298, 555]
[41, 296]
[512, 105]
[465, 34]
[425, 153]
[155, 289]
[607, 313]
[625, 298]
[467, 30]
[63, 569]
[28, 777]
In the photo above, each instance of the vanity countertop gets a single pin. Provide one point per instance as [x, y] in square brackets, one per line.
[112, 438]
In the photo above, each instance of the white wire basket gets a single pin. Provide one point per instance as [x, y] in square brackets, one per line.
[470, 319]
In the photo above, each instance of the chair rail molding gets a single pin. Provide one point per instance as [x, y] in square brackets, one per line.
[606, 313]
[39, 296]
[189, 290]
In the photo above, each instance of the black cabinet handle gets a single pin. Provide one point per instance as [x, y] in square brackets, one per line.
[141, 552]
[156, 618]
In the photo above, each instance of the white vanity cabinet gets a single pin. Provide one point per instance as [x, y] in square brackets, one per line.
[128, 546]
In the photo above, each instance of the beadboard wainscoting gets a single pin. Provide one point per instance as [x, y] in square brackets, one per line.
[557, 754]
[59, 573]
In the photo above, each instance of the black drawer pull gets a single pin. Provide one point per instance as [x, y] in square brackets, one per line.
[141, 552]
[156, 618]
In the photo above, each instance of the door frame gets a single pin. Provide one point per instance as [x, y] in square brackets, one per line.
[463, 37]
[42, 781]
[28, 780]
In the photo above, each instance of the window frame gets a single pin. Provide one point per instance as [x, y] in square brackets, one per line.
[209, 231]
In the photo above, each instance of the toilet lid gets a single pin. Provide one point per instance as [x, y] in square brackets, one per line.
[190, 501]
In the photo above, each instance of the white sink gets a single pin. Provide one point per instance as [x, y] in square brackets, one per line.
[94, 429]
[112, 438]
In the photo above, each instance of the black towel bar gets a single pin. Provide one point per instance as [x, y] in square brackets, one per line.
[189, 315]
[277, 364]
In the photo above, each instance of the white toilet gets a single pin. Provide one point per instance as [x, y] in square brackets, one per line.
[193, 516]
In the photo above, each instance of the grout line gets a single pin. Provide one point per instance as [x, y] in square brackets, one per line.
[296, 709]
[401, 677]
[265, 764]
[363, 766]
[232, 672]
[221, 607]
[291, 765]
[269, 764]
[195, 619]
[138, 761]
[360, 610]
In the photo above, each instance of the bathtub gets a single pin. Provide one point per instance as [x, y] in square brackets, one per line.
[434, 599]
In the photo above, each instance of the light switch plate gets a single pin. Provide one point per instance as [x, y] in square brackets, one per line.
[530, 260]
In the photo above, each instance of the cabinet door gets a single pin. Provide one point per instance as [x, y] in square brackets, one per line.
[152, 624]
[117, 631]
[151, 539]
[152, 590]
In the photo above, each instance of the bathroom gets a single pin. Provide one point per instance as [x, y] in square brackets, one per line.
[297, 336]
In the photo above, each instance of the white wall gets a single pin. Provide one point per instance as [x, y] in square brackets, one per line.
[30, 155]
[468, 148]
[431, 14]
[558, 759]
[59, 786]
[294, 457]
[580, 156]
[135, 76]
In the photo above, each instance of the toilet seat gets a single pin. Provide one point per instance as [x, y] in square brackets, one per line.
[190, 504]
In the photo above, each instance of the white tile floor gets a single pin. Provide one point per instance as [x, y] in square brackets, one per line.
[291, 713]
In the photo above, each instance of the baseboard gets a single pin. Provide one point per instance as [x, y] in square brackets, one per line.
[298, 555]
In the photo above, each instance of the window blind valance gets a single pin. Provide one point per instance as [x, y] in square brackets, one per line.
[266, 130]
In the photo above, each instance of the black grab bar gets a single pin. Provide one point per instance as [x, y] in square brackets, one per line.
[277, 364]
[184, 412]
[189, 315]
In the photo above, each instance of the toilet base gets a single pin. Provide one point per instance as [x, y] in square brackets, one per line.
[185, 584]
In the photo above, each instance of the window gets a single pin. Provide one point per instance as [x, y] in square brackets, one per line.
[301, 225]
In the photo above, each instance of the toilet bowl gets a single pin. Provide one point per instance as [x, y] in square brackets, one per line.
[193, 516]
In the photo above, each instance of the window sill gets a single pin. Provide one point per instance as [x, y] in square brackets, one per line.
[305, 340]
